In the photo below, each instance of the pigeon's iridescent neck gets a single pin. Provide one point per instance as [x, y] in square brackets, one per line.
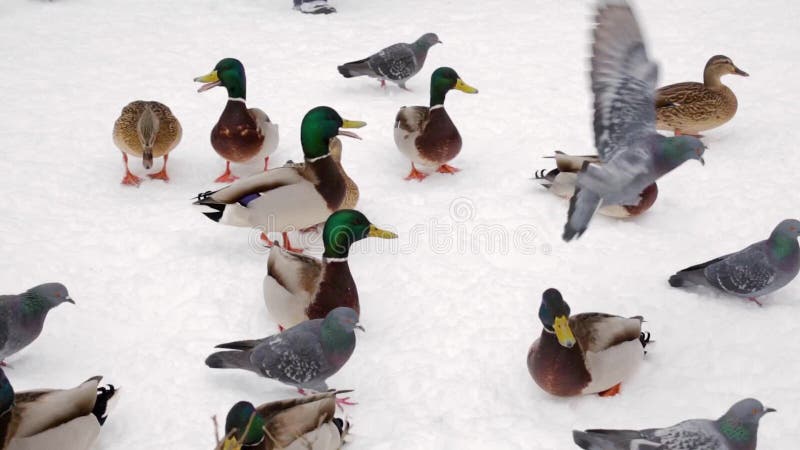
[33, 305]
[740, 434]
[783, 246]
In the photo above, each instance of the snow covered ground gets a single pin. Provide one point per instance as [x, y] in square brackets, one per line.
[449, 320]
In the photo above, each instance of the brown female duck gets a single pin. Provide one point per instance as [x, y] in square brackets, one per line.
[689, 108]
[241, 134]
[147, 130]
[586, 353]
[426, 135]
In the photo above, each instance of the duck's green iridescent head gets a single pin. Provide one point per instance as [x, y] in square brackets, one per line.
[443, 80]
[243, 426]
[319, 126]
[229, 72]
[554, 314]
[6, 393]
[346, 226]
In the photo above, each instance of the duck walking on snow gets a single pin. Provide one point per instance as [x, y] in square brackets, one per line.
[589, 353]
[427, 135]
[689, 108]
[241, 134]
[147, 130]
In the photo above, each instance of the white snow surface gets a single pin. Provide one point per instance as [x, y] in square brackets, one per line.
[443, 361]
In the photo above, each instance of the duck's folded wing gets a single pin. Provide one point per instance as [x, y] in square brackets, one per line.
[572, 163]
[289, 419]
[45, 409]
[412, 118]
[252, 185]
[77, 434]
[596, 332]
[295, 272]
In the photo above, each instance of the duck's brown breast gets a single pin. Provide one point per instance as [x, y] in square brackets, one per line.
[236, 136]
[440, 142]
[329, 182]
[558, 370]
[337, 288]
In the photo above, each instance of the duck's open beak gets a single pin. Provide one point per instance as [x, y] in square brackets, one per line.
[563, 332]
[351, 124]
[211, 79]
[464, 87]
[740, 72]
[378, 233]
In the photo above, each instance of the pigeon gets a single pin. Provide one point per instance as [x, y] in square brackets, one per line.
[22, 316]
[306, 423]
[54, 419]
[758, 270]
[397, 63]
[303, 356]
[634, 155]
[736, 430]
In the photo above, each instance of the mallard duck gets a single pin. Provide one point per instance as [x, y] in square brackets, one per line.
[689, 108]
[147, 130]
[54, 419]
[351, 188]
[289, 198]
[586, 353]
[426, 135]
[561, 182]
[306, 423]
[240, 134]
[397, 63]
[298, 287]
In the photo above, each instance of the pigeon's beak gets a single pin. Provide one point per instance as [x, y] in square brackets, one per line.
[69, 299]
[740, 72]
[702, 161]
[563, 332]
[358, 325]
[769, 410]
[351, 124]
[211, 79]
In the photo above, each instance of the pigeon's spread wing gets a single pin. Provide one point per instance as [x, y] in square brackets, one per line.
[396, 62]
[623, 82]
[743, 273]
[294, 356]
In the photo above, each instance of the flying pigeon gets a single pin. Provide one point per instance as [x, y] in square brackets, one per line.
[397, 63]
[634, 155]
[22, 316]
[736, 430]
[303, 356]
[760, 269]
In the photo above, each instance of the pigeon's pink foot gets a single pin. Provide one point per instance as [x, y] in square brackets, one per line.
[227, 176]
[753, 299]
[288, 245]
[611, 392]
[444, 168]
[415, 174]
[281, 329]
[3, 363]
[383, 83]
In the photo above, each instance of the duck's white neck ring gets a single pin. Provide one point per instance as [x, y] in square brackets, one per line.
[548, 331]
[436, 106]
[334, 259]
[318, 157]
[236, 99]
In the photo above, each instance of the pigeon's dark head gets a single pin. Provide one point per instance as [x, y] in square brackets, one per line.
[679, 149]
[346, 226]
[50, 294]
[554, 314]
[229, 73]
[319, 126]
[444, 79]
[6, 393]
[788, 227]
[428, 40]
[344, 318]
[244, 426]
[741, 420]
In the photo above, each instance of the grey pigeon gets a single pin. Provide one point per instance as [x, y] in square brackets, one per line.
[736, 430]
[397, 63]
[759, 269]
[634, 155]
[303, 356]
[22, 316]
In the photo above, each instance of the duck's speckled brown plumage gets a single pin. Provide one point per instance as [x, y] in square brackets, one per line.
[237, 136]
[126, 136]
[693, 107]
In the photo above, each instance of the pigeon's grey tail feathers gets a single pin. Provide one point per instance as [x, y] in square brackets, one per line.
[240, 345]
[581, 209]
[354, 68]
[610, 439]
[230, 360]
[692, 275]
